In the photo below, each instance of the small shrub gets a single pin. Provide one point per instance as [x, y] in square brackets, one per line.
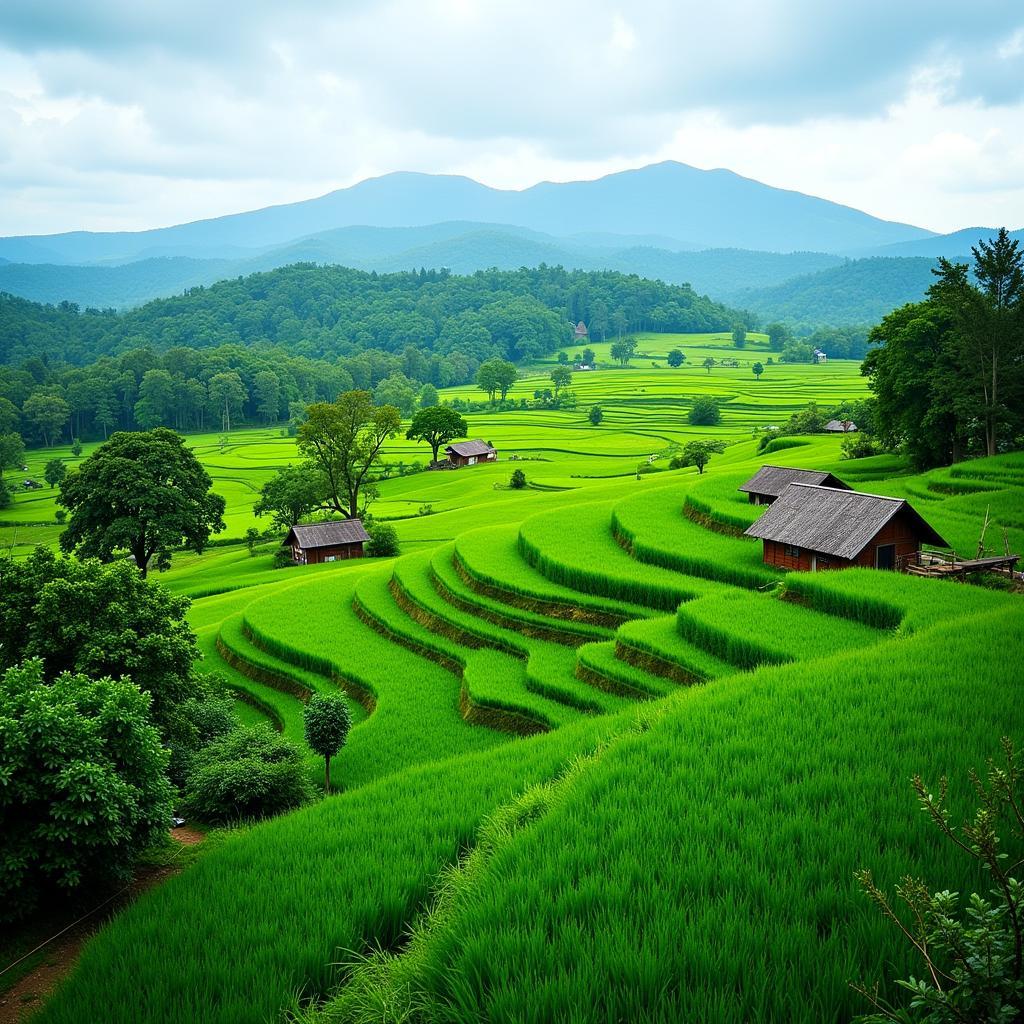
[76, 448]
[383, 542]
[971, 956]
[282, 558]
[248, 774]
[518, 480]
[704, 412]
[425, 510]
[252, 538]
[595, 415]
[60, 516]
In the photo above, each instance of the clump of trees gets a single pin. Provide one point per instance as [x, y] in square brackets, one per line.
[676, 358]
[496, 376]
[85, 786]
[948, 372]
[623, 350]
[596, 415]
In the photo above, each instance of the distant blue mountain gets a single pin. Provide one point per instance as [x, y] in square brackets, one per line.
[696, 209]
[956, 245]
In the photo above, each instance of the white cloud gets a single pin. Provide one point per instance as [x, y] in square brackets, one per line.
[150, 114]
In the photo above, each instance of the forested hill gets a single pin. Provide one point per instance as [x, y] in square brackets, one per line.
[857, 292]
[330, 311]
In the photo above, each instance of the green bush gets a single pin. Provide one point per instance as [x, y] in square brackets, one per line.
[83, 790]
[250, 773]
[518, 480]
[6, 498]
[704, 412]
[383, 542]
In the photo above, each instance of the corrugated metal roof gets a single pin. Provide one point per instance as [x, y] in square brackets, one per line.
[774, 480]
[468, 448]
[328, 535]
[831, 521]
[836, 427]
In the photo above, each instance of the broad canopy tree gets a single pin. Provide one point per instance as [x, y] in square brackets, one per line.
[343, 440]
[437, 425]
[144, 493]
[291, 494]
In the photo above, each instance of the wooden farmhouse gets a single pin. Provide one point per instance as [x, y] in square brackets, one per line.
[812, 527]
[770, 481]
[469, 453]
[580, 334]
[313, 543]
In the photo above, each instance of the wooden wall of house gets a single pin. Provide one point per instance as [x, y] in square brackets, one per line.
[337, 553]
[899, 531]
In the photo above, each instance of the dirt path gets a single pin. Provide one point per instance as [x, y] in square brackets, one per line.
[30, 992]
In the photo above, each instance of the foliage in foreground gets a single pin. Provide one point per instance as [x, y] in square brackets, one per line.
[83, 789]
[971, 956]
[247, 774]
[100, 620]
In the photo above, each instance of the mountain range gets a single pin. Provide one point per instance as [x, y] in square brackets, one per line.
[731, 237]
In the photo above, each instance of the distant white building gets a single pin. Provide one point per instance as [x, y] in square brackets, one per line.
[819, 356]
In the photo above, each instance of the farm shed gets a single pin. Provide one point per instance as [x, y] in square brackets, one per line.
[840, 427]
[770, 481]
[811, 527]
[469, 453]
[314, 543]
[581, 331]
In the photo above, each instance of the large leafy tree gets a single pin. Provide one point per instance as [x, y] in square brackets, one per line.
[291, 495]
[343, 440]
[85, 789]
[623, 350]
[102, 620]
[144, 493]
[436, 425]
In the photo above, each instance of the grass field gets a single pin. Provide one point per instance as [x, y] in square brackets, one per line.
[607, 765]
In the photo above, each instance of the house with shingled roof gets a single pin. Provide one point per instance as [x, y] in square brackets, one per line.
[811, 527]
[314, 543]
[470, 453]
[770, 481]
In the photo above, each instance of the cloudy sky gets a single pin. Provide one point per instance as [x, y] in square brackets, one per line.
[128, 114]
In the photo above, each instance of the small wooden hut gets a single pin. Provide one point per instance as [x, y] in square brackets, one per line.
[810, 527]
[313, 543]
[770, 481]
[469, 453]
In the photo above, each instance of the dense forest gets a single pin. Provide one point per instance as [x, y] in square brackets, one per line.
[251, 347]
[856, 292]
[319, 312]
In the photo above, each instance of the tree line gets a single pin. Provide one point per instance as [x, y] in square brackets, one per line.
[248, 349]
[948, 372]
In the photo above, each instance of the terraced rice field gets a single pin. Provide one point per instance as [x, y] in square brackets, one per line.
[606, 762]
[644, 408]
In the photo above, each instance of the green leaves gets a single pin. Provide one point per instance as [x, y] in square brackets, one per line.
[144, 493]
[83, 788]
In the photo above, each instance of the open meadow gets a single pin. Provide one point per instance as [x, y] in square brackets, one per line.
[600, 749]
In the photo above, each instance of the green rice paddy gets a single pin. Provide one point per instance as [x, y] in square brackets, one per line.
[607, 765]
